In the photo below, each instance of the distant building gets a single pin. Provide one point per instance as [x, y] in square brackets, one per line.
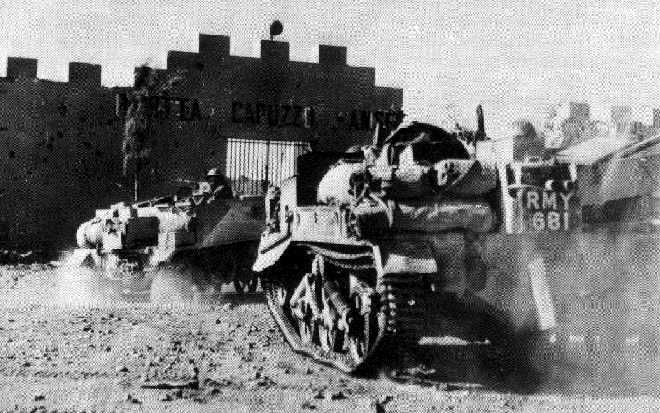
[526, 142]
[568, 124]
[656, 118]
[621, 117]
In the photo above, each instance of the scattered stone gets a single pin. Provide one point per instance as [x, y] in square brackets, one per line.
[132, 399]
[122, 369]
[186, 384]
[386, 399]
[264, 381]
[339, 395]
[324, 394]
[308, 405]
[226, 307]
[379, 405]
[215, 383]
[39, 397]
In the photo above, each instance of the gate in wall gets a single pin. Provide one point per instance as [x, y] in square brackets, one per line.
[254, 164]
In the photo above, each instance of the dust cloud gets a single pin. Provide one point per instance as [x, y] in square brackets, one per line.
[82, 280]
[605, 289]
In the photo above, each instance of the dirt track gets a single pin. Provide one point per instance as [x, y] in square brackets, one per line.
[67, 344]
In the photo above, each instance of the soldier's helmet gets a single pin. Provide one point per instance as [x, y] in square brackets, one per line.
[214, 172]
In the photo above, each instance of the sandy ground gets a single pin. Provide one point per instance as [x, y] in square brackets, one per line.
[69, 342]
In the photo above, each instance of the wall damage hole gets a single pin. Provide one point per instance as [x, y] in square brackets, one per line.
[12, 154]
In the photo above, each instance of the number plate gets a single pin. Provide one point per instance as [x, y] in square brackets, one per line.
[547, 210]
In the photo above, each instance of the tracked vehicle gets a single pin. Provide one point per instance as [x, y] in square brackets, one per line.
[205, 232]
[368, 253]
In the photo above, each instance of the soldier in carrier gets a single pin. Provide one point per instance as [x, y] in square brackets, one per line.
[216, 186]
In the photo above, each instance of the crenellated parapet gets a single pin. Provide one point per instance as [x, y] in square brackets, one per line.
[177, 60]
[214, 49]
[213, 46]
[80, 74]
[21, 67]
[273, 52]
[85, 74]
[213, 52]
[332, 55]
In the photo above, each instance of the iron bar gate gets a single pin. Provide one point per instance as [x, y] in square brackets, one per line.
[252, 165]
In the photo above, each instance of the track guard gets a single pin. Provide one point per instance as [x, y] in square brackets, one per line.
[405, 256]
[271, 250]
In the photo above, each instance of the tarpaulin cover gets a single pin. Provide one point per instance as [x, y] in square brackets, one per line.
[335, 185]
[437, 216]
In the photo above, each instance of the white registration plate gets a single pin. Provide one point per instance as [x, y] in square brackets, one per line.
[546, 210]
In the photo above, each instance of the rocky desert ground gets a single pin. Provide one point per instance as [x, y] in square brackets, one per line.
[72, 342]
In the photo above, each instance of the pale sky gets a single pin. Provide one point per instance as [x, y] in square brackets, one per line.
[515, 57]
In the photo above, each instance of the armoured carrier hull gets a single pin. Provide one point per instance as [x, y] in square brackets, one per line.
[211, 240]
[495, 256]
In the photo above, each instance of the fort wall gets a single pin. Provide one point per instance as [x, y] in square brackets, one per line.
[60, 142]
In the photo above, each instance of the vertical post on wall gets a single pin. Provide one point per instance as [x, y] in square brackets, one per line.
[135, 186]
[267, 180]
